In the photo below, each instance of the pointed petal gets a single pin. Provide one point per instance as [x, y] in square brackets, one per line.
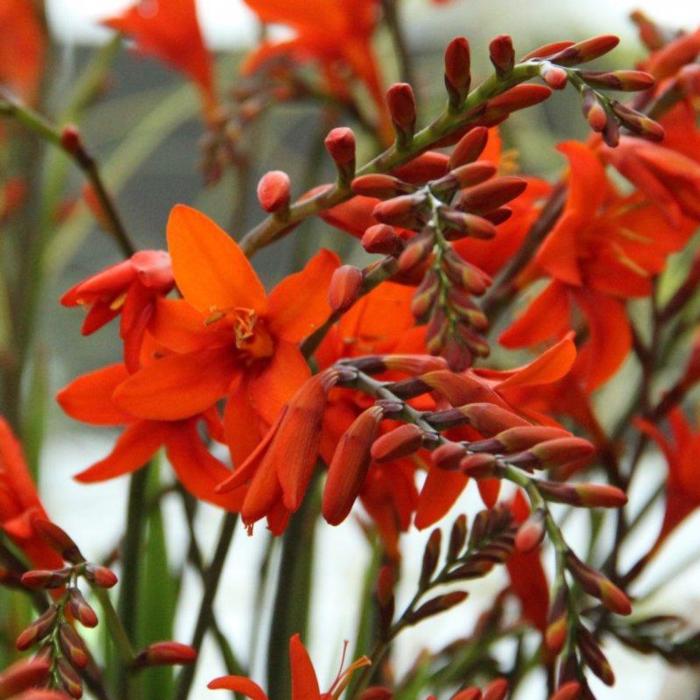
[241, 423]
[178, 386]
[588, 184]
[89, 397]
[239, 684]
[304, 681]
[179, 327]
[210, 269]
[558, 254]
[135, 446]
[299, 303]
[439, 493]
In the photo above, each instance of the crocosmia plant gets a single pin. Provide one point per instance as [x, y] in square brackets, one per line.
[432, 301]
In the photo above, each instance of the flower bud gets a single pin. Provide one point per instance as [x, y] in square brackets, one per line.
[274, 191]
[349, 465]
[568, 691]
[401, 103]
[417, 251]
[531, 532]
[585, 51]
[627, 80]
[44, 578]
[553, 453]
[80, 609]
[100, 575]
[488, 419]
[382, 239]
[448, 455]
[165, 654]
[23, 675]
[73, 646]
[469, 147]
[400, 442]
[403, 211]
[465, 275]
[461, 303]
[58, 540]
[491, 194]
[496, 690]
[70, 680]
[426, 295]
[458, 537]
[518, 97]
[557, 623]
[37, 630]
[460, 225]
[414, 364]
[71, 140]
[478, 466]
[457, 71]
[345, 287]
[638, 123]
[502, 55]
[547, 50]
[524, 437]
[340, 144]
[598, 586]
[600, 495]
[468, 694]
[436, 605]
[555, 76]
[380, 186]
[431, 556]
[593, 656]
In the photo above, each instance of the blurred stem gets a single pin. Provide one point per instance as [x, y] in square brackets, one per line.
[291, 606]
[393, 23]
[117, 632]
[205, 617]
[131, 548]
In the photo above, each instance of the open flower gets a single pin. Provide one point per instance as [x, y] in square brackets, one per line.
[20, 505]
[304, 680]
[169, 29]
[226, 337]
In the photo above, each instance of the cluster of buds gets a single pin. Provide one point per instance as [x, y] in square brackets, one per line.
[419, 222]
[24, 680]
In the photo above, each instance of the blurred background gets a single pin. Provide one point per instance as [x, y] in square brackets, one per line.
[146, 131]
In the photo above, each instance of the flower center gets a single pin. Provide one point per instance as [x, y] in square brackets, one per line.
[252, 337]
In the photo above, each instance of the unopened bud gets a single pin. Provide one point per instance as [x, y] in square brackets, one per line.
[416, 252]
[496, 690]
[553, 453]
[557, 623]
[80, 608]
[344, 288]
[382, 239]
[448, 455]
[524, 437]
[340, 144]
[71, 140]
[498, 216]
[627, 80]
[400, 442]
[502, 55]
[491, 194]
[458, 537]
[73, 646]
[593, 656]
[436, 605]
[401, 103]
[465, 275]
[37, 630]
[165, 654]
[471, 693]
[585, 51]
[600, 495]
[59, 540]
[568, 691]
[555, 76]
[518, 97]
[70, 680]
[348, 467]
[404, 211]
[531, 532]
[426, 295]
[469, 147]
[547, 50]
[598, 586]
[478, 466]
[459, 225]
[380, 186]
[414, 364]
[100, 575]
[457, 71]
[44, 578]
[274, 191]
[637, 122]
[431, 556]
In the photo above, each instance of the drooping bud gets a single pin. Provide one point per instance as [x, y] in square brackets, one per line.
[382, 239]
[348, 468]
[73, 646]
[413, 364]
[437, 331]
[100, 575]
[400, 442]
[416, 252]
[555, 76]
[600, 495]
[593, 656]
[531, 532]
[465, 275]
[637, 122]
[598, 586]
[70, 680]
[585, 51]
[274, 192]
[80, 609]
[488, 419]
[385, 597]
[37, 630]
[401, 103]
[491, 194]
[627, 80]
[59, 540]
[479, 466]
[431, 556]
[380, 186]
[557, 623]
[23, 675]
[547, 50]
[518, 97]
[524, 437]
[44, 578]
[498, 216]
[463, 176]
[553, 453]
[71, 140]
[593, 111]
[340, 144]
[502, 55]
[458, 536]
[459, 225]
[461, 302]
[448, 455]
[345, 287]
[469, 147]
[457, 71]
[568, 691]
[496, 690]
[403, 211]
[436, 605]
[165, 654]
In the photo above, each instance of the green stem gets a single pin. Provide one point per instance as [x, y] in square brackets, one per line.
[117, 632]
[206, 608]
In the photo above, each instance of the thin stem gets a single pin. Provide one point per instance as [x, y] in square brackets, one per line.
[206, 608]
[117, 632]
[393, 23]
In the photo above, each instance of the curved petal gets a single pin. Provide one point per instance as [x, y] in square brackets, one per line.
[439, 493]
[178, 386]
[210, 269]
[588, 185]
[179, 327]
[135, 446]
[273, 386]
[558, 254]
[197, 469]
[89, 397]
[299, 303]
[241, 423]
[304, 681]
[239, 684]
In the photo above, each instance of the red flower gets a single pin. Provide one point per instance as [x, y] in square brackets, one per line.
[169, 30]
[304, 680]
[20, 505]
[129, 288]
[89, 399]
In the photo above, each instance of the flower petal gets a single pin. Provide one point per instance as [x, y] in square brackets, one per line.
[210, 269]
[304, 681]
[239, 684]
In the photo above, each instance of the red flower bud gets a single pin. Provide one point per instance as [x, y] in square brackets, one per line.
[165, 654]
[496, 690]
[593, 111]
[400, 442]
[555, 76]
[402, 107]
[380, 186]
[547, 50]
[585, 51]
[80, 609]
[37, 630]
[44, 578]
[568, 691]
[100, 575]
[598, 586]
[71, 140]
[478, 466]
[457, 70]
[58, 540]
[600, 495]
[345, 286]
[340, 144]
[69, 679]
[400, 211]
[491, 194]
[531, 532]
[518, 97]
[274, 191]
[448, 456]
[415, 252]
[628, 80]
[73, 646]
[553, 453]
[414, 364]
[469, 147]
[459, 225]
[23, 675]
[468, 694]
[502, 54]
[382, 239]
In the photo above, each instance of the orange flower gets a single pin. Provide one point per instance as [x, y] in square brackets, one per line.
[304, 680]
[169, 30]
[682, 453]
[129, 288]
[89, 399]
[20, 505]
[604, 249]
[22, 48]
[227, 337]
[336, 33]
